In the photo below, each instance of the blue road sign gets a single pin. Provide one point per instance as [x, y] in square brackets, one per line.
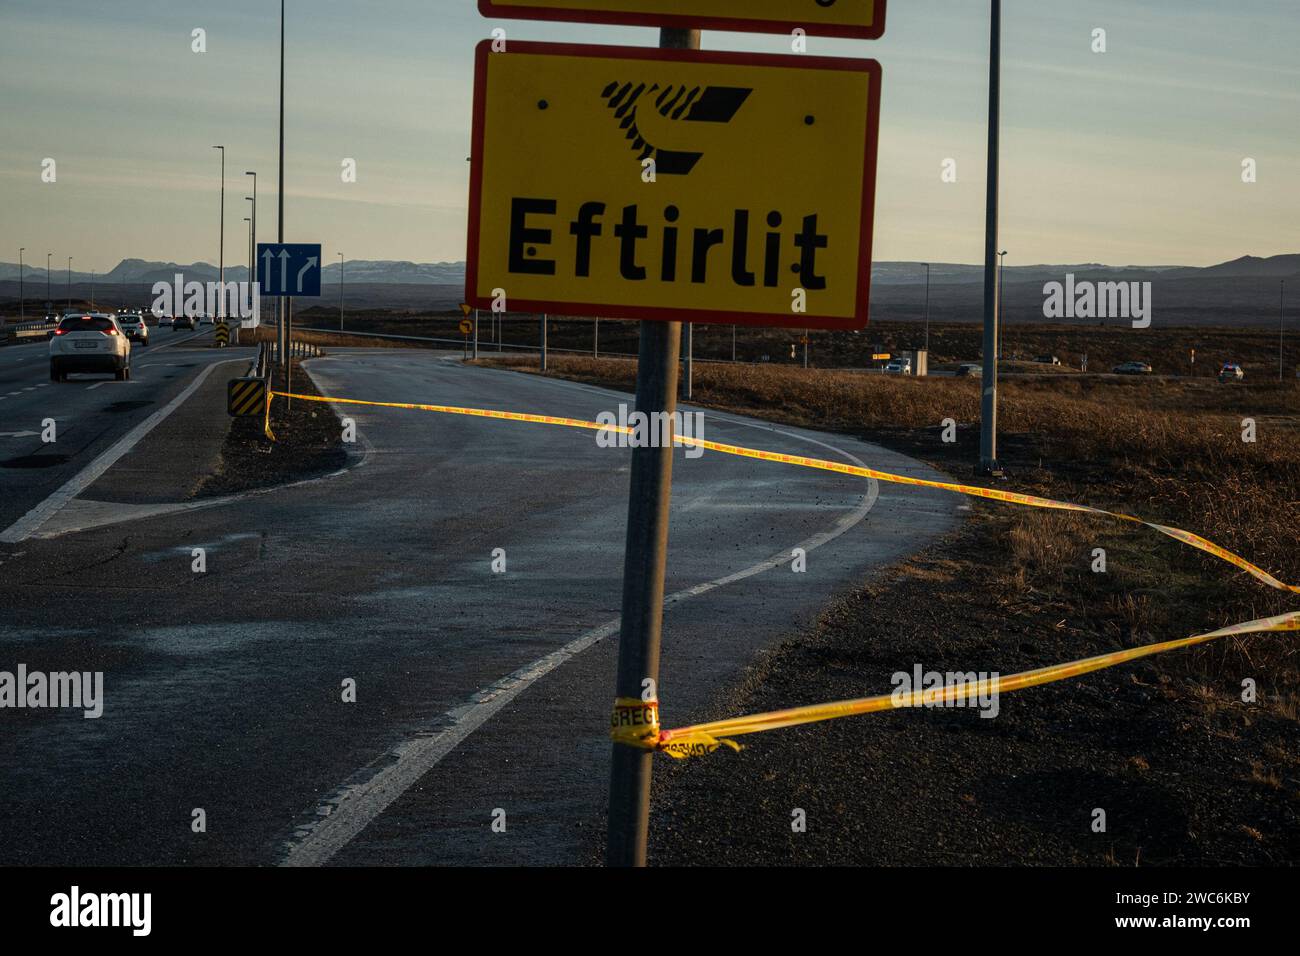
[289, 268]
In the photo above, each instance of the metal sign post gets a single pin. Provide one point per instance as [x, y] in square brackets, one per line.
[645, 557]
[988, 464]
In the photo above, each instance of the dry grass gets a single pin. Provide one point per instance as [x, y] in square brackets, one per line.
[1168, 451]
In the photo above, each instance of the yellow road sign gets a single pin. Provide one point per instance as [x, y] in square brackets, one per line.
[245, 396]
[864, 19]
[222, 334]
[679, 185]
[466, 308]
[466, 326]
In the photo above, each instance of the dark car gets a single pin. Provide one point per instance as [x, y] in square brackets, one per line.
[182, 322]
[1132, 368]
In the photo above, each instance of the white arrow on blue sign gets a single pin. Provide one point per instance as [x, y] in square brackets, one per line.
[289, 268]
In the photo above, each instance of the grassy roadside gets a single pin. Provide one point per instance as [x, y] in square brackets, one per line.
[1187, 771]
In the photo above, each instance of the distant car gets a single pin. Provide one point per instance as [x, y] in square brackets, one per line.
[1132, 368]
[970, 370]
[898, 367]
[1231, 372]
[1048, 360]
[205, 320]
[164, 321]
[133, 325]
[89, 342]
[182, 322]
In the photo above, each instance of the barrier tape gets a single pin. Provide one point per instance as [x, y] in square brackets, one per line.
[635, 723]
[1032, 501]
[707, 737]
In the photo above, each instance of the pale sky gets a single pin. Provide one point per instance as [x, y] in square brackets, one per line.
[1128, 157]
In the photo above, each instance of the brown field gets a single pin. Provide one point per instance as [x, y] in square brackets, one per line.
[1166, 450]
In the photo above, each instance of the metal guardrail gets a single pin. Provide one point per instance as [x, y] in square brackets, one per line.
[9, 334]
[296, 350]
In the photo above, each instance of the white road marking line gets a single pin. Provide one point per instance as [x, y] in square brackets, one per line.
[349, 810]
[30, 522]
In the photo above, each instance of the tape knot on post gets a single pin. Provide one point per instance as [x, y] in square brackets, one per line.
[635, 723]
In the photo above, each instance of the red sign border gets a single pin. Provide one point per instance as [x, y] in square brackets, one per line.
[505, 10]
[858, 320]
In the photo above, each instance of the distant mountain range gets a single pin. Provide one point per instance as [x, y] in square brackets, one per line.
[392, 272]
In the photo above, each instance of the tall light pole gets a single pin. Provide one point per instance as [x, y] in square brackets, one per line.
[49, 303]
[341, 293]
[1001, 331]
[927, 308]
[69, 283]
[252, 271]
[989, 402]
[251, 263]
[22, 303]
[221, 241]
[92, 289]
[283, 331]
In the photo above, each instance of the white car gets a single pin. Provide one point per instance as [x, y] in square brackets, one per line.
[89, 342]
[135, 327]
[899, 367]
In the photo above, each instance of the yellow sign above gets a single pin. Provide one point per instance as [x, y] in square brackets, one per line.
[863, 19]
[669, 184]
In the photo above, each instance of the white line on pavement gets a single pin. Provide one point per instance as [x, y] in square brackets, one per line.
[350, 809]
[31, 521]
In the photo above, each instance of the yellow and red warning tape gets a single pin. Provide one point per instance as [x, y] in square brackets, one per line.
[636, 723]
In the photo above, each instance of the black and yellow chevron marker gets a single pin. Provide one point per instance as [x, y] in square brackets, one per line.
[222, 334]
[246, 396]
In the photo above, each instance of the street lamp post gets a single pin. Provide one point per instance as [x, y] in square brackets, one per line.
[221, 239]
[285, 319]
[341, 293]
[252, 271]
[1002, 335]
[22, 303]
[48, 300]
[927, 308]
[249, 220]
[92, 289]
[989, 400]
[69, 283]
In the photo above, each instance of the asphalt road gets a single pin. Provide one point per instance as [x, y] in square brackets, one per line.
[91, 412]
[479, 695]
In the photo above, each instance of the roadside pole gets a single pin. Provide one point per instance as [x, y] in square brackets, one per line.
[643, 567]
[476, 335]
[988, 463]
[543, 343]
[595, 341]
[688, 380]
